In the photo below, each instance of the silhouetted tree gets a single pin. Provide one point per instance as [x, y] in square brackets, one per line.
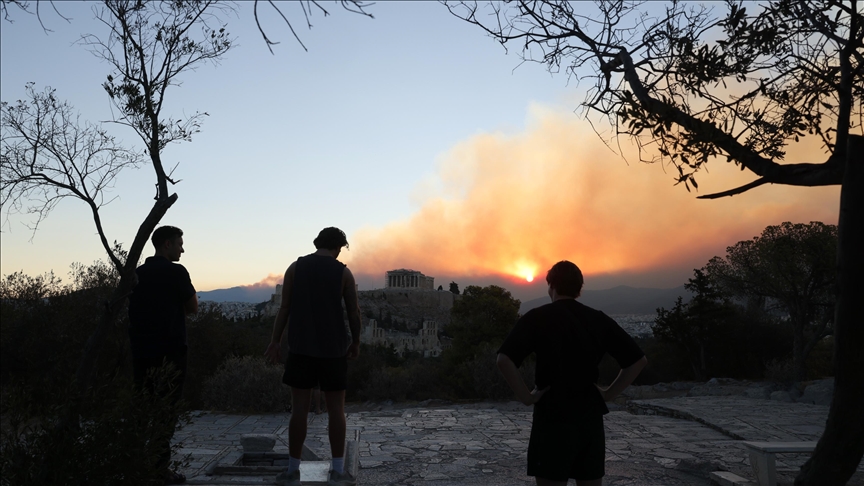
[308, 7]
[454, 287]
[739, 85]
[481, 315]
[697, 325]
[47, 155]
[792, 268]
[479, 322]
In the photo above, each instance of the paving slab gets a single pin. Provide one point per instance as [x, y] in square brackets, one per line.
[677, 441]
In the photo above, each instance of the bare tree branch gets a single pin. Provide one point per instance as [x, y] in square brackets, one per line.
[737, 190]
[658, 81]
[48, 154]
[354, 6]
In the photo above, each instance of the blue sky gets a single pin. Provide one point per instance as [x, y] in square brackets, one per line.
[360, 132]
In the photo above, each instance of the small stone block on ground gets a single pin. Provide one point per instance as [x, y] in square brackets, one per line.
[257, 442]
[725, 478]
[314, 473]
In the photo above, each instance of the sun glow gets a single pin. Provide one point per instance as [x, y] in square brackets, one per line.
[525, 270]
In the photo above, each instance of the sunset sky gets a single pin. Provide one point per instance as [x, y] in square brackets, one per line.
[414, 133]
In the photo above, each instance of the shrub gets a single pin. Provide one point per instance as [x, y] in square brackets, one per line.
[780, 370]
[115, 441]
[386, 384]
[246, 384]
[212, 340]
[426, 379]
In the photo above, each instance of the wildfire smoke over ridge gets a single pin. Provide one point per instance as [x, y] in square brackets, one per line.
[511, 205]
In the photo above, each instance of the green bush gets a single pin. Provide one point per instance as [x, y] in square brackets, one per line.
[246, 384]
[372, 359]
[780, 370]
[115, 439]
[426, 379]
[386, 384]
[212, 340]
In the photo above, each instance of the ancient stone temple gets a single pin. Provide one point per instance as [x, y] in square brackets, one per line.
[426, 340]
[408, 279]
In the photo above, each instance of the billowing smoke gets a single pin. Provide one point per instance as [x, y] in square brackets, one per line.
[507, 206]
[268, 282]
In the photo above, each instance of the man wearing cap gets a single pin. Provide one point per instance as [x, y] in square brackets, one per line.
[318, 347]
[569, 339]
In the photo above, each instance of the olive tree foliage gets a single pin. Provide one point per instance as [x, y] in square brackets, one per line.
[691, 83]
[148, 46]
[694, 84]
[791, 267]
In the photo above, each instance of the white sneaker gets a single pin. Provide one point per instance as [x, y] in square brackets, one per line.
[340, 479]
[288, 479]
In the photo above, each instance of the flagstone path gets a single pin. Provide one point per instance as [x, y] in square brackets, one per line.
[669, 442]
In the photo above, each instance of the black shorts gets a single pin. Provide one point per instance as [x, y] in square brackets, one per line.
[559, 451]
[306, 372]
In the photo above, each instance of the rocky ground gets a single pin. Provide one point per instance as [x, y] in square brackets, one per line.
[816, 392]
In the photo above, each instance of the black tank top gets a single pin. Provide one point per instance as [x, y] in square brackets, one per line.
[315, 325]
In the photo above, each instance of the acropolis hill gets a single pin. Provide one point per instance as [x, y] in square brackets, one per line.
[407, 313]
[406, 301]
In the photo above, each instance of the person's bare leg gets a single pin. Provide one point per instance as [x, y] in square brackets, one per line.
[335, 401]
[298, 423]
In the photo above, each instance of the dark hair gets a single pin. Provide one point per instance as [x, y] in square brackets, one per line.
[566, 278]
[165, 233]
[330, 239]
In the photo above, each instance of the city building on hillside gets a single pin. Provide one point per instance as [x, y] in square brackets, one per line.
[408, 279]
[425, 341]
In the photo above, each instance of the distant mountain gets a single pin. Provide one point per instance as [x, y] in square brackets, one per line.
[621, 300]
[249, 293]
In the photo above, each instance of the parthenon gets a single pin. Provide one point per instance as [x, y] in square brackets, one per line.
[408, 279]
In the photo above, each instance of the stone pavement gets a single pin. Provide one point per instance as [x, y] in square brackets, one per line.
[678, 442]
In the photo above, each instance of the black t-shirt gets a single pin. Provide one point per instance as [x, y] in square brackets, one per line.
[316, 326]
[569, 340]
[157, 318]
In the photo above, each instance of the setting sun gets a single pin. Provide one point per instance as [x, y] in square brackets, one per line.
[529, 277]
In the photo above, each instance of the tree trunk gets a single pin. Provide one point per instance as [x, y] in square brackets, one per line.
[841, 446]
[93, 347]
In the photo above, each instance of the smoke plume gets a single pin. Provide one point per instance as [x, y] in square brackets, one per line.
[508, 206]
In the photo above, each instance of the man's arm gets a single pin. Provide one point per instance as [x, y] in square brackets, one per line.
[274, 349]
[352, 306]
[623, 380]
[511, 374]
[191, 305]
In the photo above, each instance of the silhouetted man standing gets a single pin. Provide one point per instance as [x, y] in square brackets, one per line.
[312, 294]
[569, 339]
[158, 306]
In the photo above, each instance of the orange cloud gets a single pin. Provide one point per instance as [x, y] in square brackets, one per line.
[511, 205]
